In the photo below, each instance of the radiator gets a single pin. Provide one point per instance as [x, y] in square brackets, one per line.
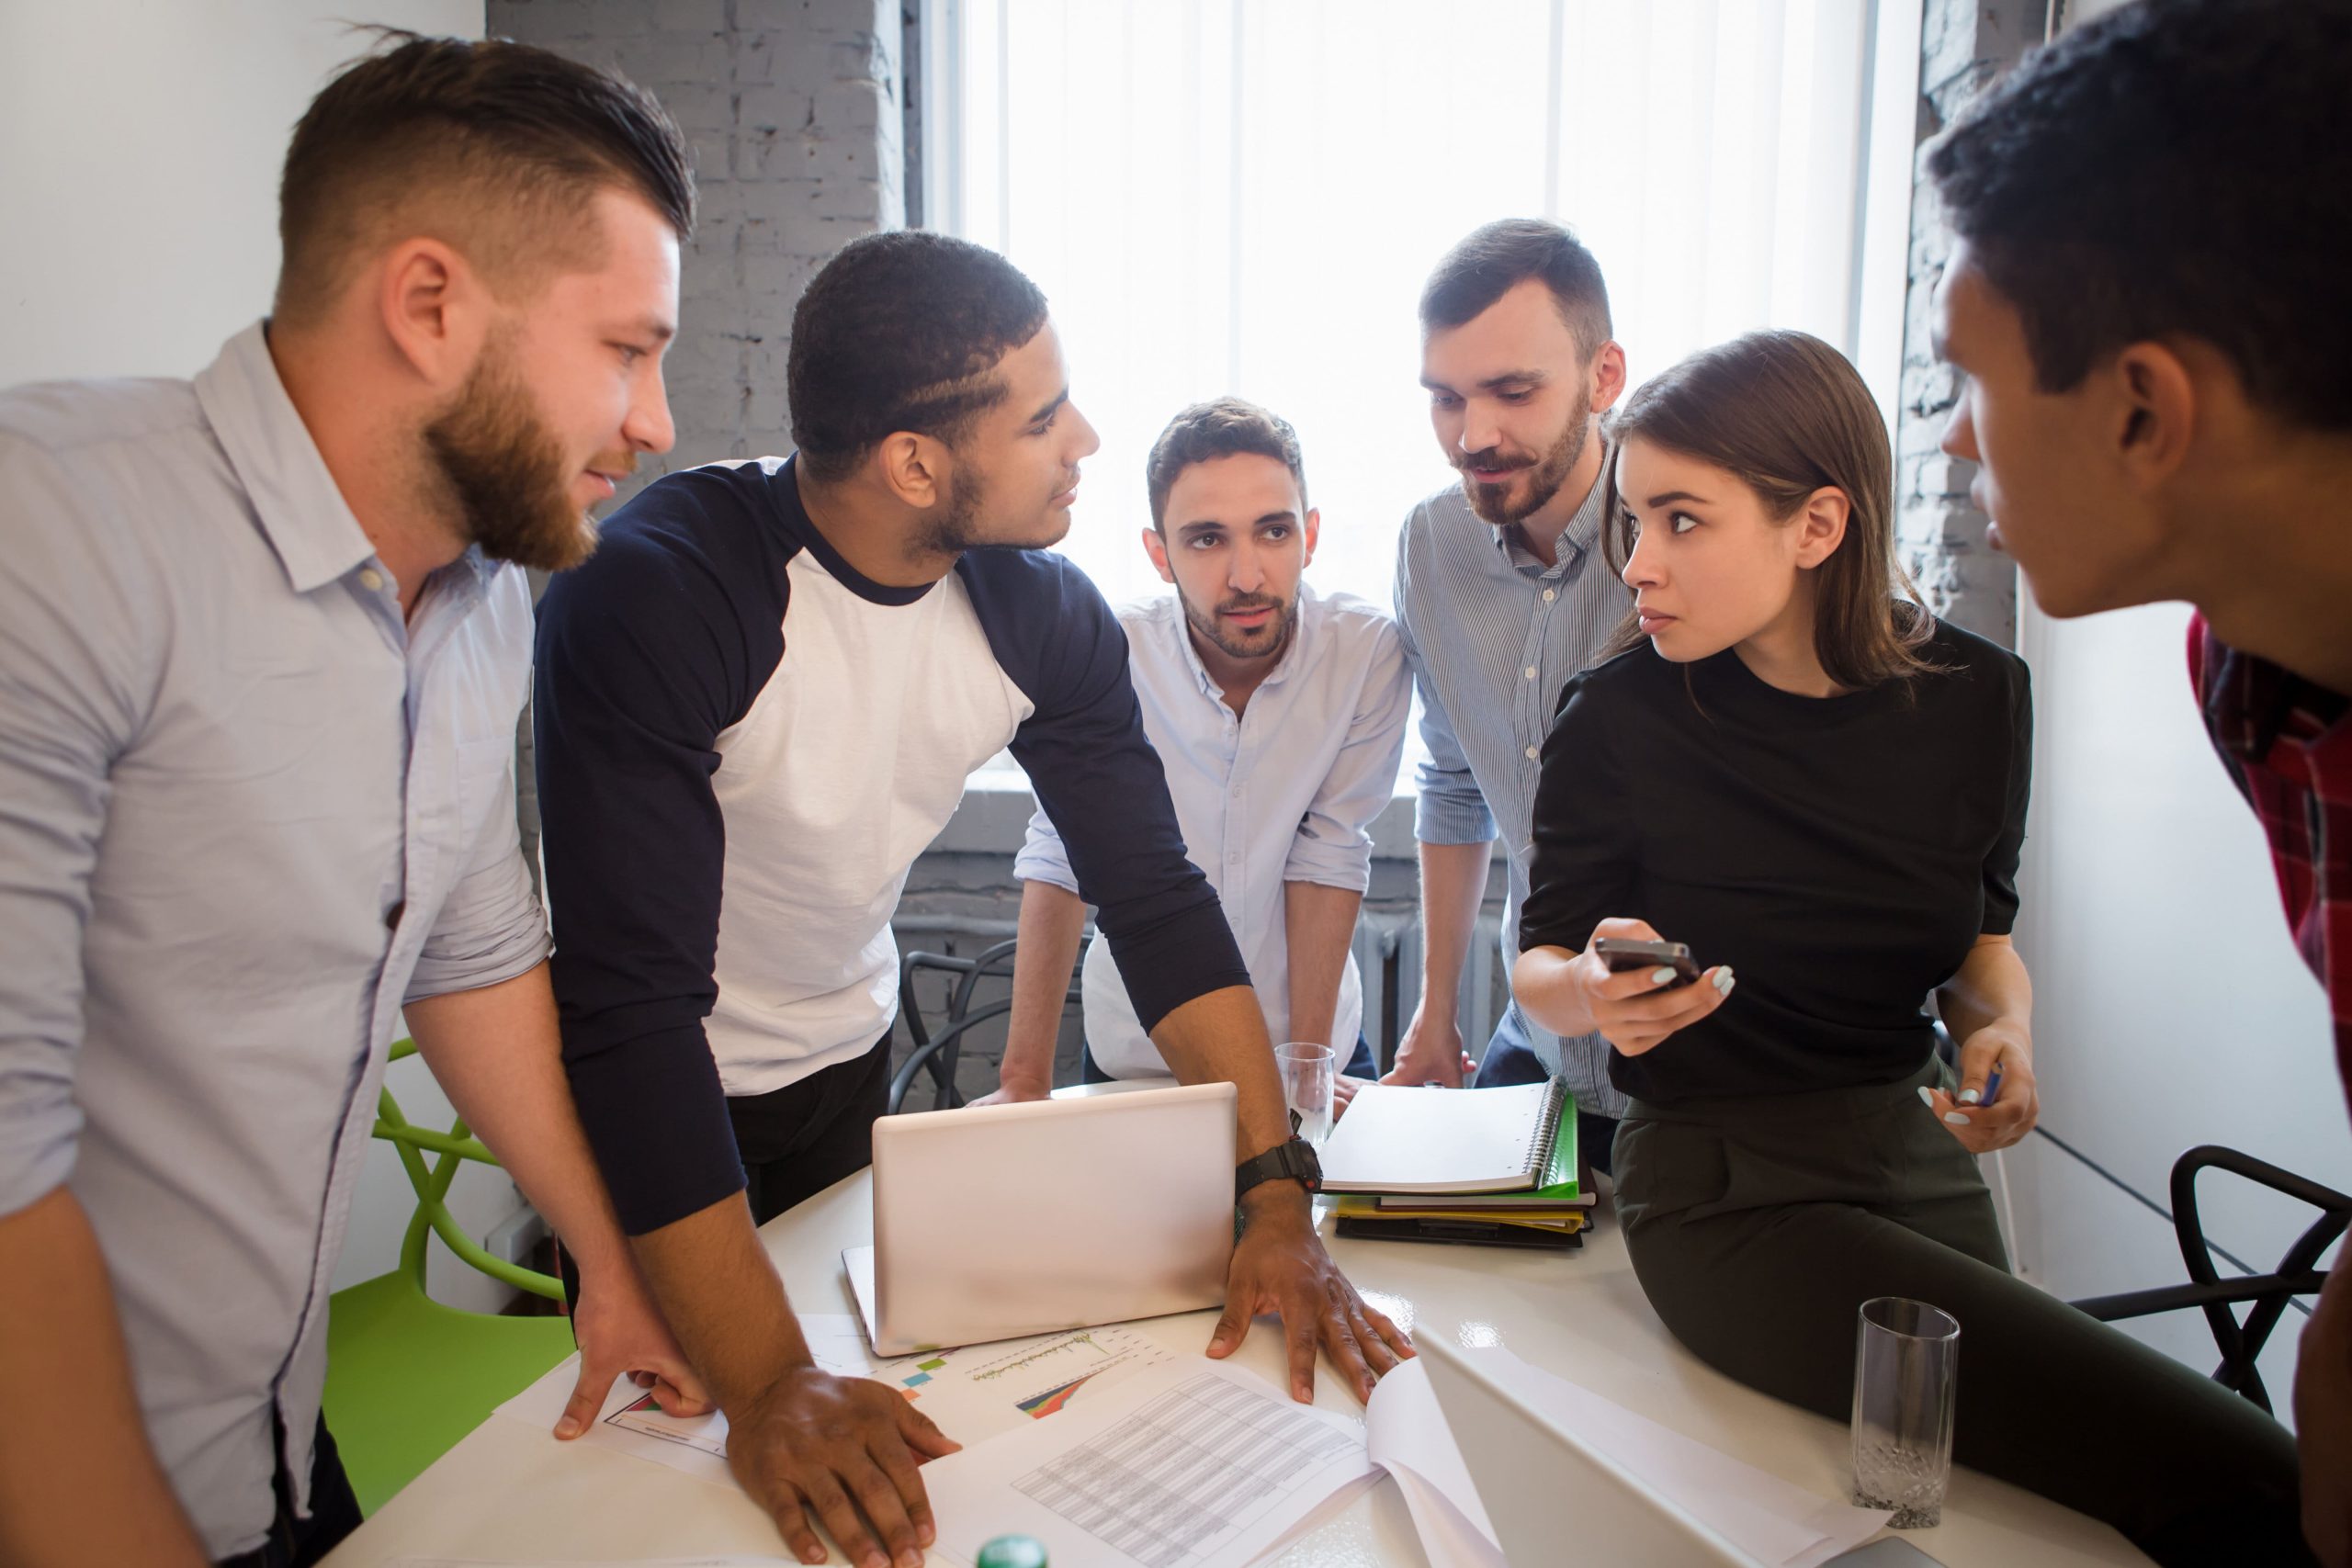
[1388, 954]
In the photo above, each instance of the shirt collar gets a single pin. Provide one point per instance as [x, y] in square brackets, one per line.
[2250, 703]
[1576, 539]
[301, 510]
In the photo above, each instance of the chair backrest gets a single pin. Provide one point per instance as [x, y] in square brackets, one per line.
[451, 1148]
[938, 1055]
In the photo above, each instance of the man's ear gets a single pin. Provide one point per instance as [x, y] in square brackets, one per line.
[1608, 373]
[434, 309]
[1821, 526]
[2152, 416]
[1155, 545]
[1313, 530]
[917, 469]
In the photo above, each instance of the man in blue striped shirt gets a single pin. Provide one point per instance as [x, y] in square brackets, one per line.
[1501, 595]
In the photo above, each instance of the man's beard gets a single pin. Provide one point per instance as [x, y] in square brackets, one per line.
[1493, 503]
[505, 472]
[957, 529]
[1206, 624]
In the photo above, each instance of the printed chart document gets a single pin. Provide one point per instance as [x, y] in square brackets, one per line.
[1190, 1464]
[972, 1394]
[1406, 1436]
[584, 1562]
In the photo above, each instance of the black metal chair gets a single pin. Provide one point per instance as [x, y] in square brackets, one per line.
[2268, 1295]
[937, 1054]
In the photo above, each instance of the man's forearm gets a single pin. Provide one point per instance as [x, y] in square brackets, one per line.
[1319, 923]
[496, 1054]
[720, 1295]
[80, 1484]
[1220, 1037]
[1052, 922]
[1453, 883]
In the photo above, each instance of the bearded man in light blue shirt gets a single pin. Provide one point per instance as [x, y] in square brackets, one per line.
[264, 640]
[1279, 715]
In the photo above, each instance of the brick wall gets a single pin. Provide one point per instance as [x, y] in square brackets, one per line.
[1962, 45]
[794, 109]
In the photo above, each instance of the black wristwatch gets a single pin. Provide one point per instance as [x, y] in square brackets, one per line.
[1291, 1161]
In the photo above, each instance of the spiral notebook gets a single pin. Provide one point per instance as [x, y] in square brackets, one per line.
[1396, 1139]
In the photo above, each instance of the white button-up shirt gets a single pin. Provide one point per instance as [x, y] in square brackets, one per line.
[246, 812]
[1285, 792]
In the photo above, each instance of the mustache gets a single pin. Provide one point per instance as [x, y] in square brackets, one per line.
[1491, 458]
[1248, 601]
[619, 464]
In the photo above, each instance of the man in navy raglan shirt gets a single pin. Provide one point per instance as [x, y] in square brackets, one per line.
[770, 683]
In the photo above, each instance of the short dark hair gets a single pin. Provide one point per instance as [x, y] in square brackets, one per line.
[2177, 166]
[1222, 427]
[902, 331]
[1499, 255]
[501, 142]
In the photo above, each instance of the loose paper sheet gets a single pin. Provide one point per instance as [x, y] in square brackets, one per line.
[1190, 1464]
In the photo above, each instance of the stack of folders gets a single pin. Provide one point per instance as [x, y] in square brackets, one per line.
[1493, 1167]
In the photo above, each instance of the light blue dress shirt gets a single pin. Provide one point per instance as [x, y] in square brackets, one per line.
[1285, 792]
[245, 813]
[1493, 634]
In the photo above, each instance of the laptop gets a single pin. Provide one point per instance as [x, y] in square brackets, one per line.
[1012, 1220]
[1551, 1496]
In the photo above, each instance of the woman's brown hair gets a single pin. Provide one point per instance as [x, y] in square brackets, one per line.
[1786, 414]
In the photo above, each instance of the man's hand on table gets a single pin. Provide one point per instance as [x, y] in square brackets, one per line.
[814, 1445]
[620, 1330]
[1280, 1266]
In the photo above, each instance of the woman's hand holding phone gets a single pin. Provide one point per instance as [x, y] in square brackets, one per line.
[1636, 1007]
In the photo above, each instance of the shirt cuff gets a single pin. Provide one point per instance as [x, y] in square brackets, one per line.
[656, 1116]
[1443, 819]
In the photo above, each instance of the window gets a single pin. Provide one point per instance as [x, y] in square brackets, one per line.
[1245, 195]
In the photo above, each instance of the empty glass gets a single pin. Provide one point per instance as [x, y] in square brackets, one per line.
[1906, 1357]
[1309, 1074]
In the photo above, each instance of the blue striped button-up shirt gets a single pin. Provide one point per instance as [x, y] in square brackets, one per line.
[1493, 634]
[246, 812]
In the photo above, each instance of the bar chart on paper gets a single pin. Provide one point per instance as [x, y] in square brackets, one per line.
[1179, 1468]
[981, 1391]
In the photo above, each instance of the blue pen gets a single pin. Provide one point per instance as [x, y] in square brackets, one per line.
[1992, 1088]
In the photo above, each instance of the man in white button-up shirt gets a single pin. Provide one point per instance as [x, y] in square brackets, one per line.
[1279, 715]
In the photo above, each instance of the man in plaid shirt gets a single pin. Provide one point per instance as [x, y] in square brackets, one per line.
[2147, 297]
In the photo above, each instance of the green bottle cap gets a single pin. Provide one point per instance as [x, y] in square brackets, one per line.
[1012, 1551]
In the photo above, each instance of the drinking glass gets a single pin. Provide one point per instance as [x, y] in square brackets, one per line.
[1308, 1072]
[1906, 1357]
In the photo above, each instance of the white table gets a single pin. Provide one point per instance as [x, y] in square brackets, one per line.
[512, 1492]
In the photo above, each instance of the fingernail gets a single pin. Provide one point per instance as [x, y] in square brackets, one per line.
[1970, 1096]
[1660, 976]
[1925, 1098]
[1724, 981]
[1955, 1117]
[567, 1428]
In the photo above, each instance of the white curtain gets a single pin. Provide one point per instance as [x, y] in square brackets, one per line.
[1246, 196]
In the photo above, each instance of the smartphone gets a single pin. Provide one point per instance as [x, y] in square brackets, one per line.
[1621, 953]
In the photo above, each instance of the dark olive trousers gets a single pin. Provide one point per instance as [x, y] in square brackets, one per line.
[1759, 1226]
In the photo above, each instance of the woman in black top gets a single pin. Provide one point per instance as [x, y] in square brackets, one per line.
[1822, 789]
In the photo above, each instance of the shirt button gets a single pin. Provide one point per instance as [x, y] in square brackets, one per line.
[1530, 672]
[1550, 594]
[372, 579]
[1233, 857]
[1532, 753]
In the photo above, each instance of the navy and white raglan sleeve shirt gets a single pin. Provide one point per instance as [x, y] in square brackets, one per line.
[743, 744]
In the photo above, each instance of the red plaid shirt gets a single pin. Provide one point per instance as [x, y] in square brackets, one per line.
[2288, 744]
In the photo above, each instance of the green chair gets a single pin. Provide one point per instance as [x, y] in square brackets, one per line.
[406, 1376]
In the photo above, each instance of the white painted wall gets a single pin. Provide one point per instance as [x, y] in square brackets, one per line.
[140, 146]
[2171, 1008]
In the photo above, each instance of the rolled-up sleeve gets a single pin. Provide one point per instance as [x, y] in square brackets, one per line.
[1333, 845]
[491, 927]
[1044, 857]
[1449, 807]
[73, 620]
